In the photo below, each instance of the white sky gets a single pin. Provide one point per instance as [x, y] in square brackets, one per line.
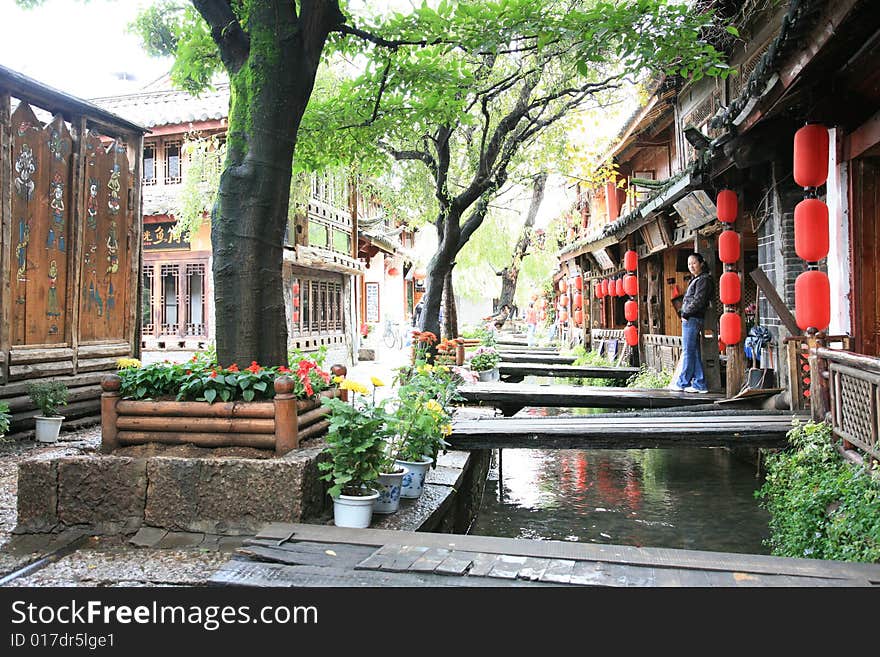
[78, 47]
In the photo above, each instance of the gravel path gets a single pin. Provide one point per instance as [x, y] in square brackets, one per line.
[101, 561]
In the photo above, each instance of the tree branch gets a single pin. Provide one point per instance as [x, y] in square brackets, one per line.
[232, 41]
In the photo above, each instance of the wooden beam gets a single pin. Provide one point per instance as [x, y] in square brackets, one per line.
[776, 301]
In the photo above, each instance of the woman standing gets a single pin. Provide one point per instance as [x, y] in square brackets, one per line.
[693, 309]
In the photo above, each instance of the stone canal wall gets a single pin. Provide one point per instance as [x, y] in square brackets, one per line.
[119, 494]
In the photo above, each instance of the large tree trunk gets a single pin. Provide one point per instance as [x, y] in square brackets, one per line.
[510, 274]
[269, 93]
[439, 268]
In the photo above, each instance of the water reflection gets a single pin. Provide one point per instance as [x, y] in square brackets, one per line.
[692, 498]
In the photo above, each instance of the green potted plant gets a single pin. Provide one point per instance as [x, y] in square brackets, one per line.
[48, 397]
[420, 422]
[356, 446]
[485, 363]
[4, 418]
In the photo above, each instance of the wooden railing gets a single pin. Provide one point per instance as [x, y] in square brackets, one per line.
[847, 392]
[662, 351]
[609, 343]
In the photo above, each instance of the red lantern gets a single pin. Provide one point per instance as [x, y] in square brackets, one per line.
[631, 335]
[563, 316]
[578, 317]
[812, 300]
[543, 315]
[600, 293]
[618, 288]
[578, 282]
[578, 300]
[295, 288]
[296, 316]
[563, 286]
[731, 328]
[728, 246]
[811, 155]
[631, 311]
[729, 288]
[631, 285]
[296, 302]
[726, 206]
[563, 300]
[630, 260]
[811, 229]
[608, 286]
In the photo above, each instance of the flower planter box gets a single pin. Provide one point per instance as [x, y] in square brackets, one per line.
[278, 424]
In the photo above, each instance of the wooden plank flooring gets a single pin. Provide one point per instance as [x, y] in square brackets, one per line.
[608, 432]
[529, 357]
[324, 555]
[510, 396]
[511, 370]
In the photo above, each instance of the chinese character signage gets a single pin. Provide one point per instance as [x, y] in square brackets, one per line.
[160, 236]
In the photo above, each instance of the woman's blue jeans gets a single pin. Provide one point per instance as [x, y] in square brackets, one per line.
[692, 366]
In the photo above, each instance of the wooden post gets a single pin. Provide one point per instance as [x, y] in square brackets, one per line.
[110, 386]
[340, 370]
[459, 352]
[286, 429]
[6, 174]
[819, 398]
[794, 374]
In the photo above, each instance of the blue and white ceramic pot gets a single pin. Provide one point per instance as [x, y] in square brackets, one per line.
[414, 480]
[389, 491]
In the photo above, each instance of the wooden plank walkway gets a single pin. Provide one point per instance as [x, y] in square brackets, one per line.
[297, 555]
[608, 432]
[529, 357]
[511, 397]
[515, 372]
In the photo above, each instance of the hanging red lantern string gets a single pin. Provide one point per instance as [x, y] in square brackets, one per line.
[631, 285]
[630, 260]
[618, 288]
[811, 229]
[563, 301]
[729, 288]
[631, 335]
[811, 155]
[726, 206]
[577, 300]
[563, 286]
[578, 317]
[598, 290]
[812, 300]
[631, 311]
[578, 282]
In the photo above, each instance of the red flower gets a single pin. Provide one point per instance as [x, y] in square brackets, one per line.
[254, 368]
[284, 369]
[189, 371]
[213, 374]
[233, 367]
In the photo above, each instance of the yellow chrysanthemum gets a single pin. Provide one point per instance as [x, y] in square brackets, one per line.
[377, 382]
[423, 369]
[446, 429]
[354, 386]
[441, 368]
[338, 379]
[125, 363]
[434, 407]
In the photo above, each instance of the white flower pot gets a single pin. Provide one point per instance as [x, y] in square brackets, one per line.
[414, 480]
[48, 428]
[490, 375]
[389, 491]
[354, 510]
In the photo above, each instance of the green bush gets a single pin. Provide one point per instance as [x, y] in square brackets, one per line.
[648, 377]
[821, 506]
[590, 359]
[4, 418]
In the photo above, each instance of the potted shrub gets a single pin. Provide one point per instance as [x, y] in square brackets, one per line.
[420, 422]
[48, 397]
[4, 418]
[485, 363]
[356, 446]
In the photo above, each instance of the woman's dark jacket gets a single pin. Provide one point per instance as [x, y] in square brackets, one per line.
[698, 296]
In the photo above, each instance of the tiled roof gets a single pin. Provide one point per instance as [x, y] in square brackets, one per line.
[160, 104]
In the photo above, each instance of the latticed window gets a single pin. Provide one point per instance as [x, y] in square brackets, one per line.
[147, 325]
[316, 307]
[172, 163]
[149, 164]
[170, 275]
[195, 297]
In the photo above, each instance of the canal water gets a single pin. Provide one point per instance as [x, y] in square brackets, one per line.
[689, 498]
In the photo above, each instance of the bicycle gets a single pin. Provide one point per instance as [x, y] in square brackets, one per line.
[392, 335]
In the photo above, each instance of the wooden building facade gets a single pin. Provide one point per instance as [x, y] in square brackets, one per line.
[70, 198]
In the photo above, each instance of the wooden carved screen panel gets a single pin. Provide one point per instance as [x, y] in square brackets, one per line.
[41, 218]
[105, 253]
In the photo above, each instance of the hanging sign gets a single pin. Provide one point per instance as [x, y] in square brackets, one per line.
[159, 236]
